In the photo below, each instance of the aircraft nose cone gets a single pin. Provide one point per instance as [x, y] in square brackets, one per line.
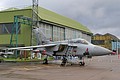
[101, 51]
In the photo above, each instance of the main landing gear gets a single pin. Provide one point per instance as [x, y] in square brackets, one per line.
[82, 63]
[64, 61]
[45, 61]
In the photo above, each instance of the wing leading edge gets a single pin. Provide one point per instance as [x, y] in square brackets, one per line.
[31, 47]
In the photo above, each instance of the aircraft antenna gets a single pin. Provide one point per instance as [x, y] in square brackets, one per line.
[35, 21]
[37, 35]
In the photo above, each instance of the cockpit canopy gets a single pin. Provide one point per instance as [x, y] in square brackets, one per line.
[82, 41]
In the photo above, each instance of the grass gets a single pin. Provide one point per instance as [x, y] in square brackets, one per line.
[25, 59]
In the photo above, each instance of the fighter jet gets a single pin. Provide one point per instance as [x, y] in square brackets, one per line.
[68, 48]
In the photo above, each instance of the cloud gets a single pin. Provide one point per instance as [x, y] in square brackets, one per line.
[15, 3]
[100, 16]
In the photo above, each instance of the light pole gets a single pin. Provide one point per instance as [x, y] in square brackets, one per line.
[117, 47]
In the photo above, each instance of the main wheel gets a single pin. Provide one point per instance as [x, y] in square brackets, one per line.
[64, 61]
[45, 61]
[82, 63]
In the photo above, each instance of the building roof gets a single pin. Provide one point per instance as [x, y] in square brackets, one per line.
[108, 34]
[50, 16]
[113, 36]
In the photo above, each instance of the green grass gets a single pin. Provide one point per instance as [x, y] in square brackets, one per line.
[25, 59]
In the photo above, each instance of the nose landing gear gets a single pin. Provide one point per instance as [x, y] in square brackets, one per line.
[82, 63]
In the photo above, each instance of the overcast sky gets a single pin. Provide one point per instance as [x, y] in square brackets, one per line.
[100, 16]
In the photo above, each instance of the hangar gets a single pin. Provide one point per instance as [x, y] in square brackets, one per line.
[53, 25]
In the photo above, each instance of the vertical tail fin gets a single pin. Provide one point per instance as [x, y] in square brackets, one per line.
[40, 36]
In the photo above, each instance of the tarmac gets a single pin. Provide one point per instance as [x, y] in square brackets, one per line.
[97, 68]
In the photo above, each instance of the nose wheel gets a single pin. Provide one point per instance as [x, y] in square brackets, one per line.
[82, 63]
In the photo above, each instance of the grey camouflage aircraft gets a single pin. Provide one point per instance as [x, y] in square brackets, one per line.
[68, 48]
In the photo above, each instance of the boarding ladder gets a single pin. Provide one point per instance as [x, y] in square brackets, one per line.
[68, 54]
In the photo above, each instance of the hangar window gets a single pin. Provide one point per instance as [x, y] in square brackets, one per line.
[46, 29]
[6, 28]
[72, 33]
[58, 33]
